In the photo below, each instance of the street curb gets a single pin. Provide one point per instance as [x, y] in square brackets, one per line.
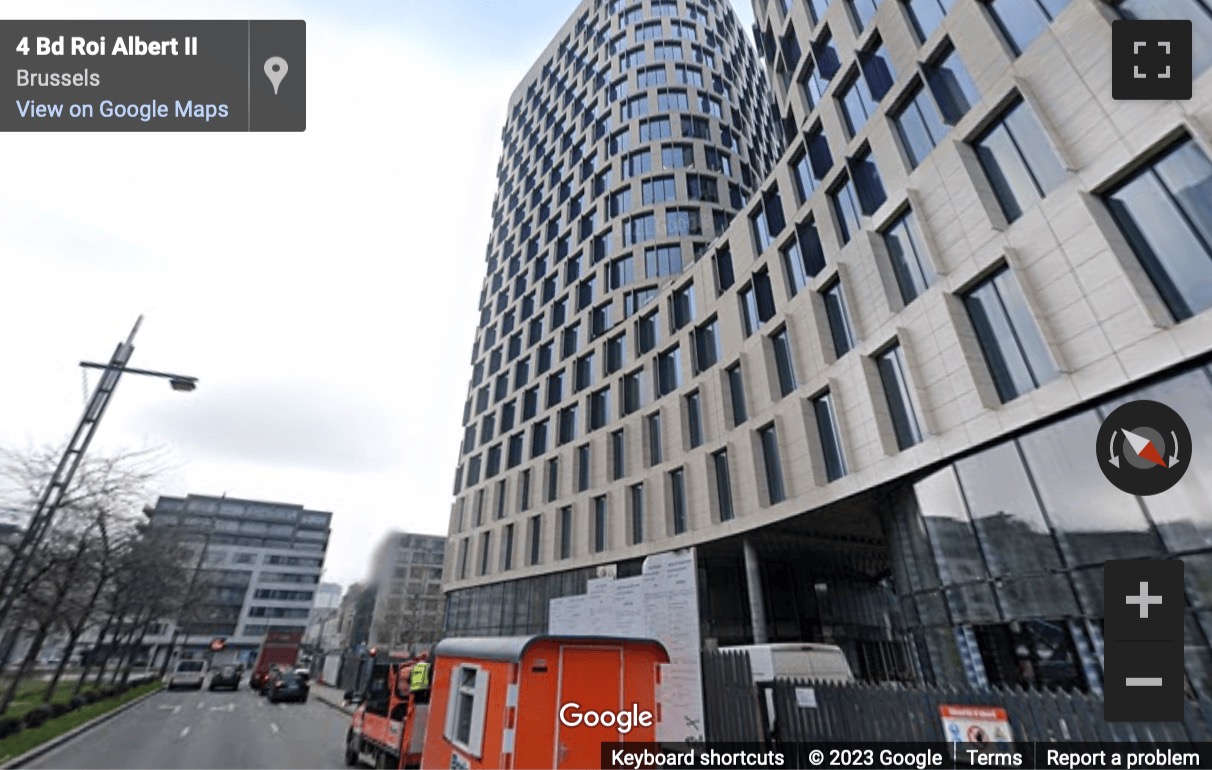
[326, 702]
[55, 743]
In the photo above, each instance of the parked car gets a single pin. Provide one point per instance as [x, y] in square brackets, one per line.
[187, 673]
[227, 677]
[289, 687]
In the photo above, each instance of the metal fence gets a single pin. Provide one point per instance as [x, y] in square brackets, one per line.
[799, 710]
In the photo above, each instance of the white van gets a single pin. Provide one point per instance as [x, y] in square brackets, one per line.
[188, 673]
[796, 660]
[820, 663]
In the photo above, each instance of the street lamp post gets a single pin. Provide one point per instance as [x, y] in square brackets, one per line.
[65, 471]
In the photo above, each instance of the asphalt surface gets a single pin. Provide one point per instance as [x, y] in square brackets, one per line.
[203, 729]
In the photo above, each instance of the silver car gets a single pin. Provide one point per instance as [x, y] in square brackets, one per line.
[187, 673]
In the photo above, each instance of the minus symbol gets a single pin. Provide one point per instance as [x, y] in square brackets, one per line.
[1143, 681]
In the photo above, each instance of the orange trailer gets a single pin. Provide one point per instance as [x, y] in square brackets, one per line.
[508, 702]
[539, 701]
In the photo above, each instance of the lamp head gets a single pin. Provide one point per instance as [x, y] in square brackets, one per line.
[183, 385]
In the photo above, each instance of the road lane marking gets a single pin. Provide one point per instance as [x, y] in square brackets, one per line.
[177, 709]
[273, 727]
[200, 705]
[185, 731]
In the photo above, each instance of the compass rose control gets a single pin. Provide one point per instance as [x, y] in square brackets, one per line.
[1143, 448]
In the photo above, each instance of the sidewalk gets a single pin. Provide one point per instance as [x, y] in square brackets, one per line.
[331, 696]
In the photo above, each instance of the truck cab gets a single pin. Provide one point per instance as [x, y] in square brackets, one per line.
[388, 724]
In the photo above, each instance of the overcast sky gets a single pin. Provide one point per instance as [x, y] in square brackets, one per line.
[322, 285]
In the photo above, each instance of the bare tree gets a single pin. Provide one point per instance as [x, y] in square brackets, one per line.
[75, 568]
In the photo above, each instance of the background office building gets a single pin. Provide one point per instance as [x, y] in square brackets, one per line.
[408, 606]
[255, 565]
[871, 401]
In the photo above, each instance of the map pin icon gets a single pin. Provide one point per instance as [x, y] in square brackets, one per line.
[275, 70]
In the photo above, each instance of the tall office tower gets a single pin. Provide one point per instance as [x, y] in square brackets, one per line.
[872, 403]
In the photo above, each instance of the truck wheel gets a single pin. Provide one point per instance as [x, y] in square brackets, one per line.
[351, 753]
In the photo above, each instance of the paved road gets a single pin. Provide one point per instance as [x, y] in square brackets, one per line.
[192, 729]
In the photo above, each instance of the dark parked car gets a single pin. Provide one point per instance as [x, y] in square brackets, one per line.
[288, 687]
[227, 677]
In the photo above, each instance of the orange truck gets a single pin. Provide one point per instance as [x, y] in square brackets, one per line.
[507, 702]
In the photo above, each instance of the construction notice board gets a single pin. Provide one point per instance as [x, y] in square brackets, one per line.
[661, 603]
[976, 724]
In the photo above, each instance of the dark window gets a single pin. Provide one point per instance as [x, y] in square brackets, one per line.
[908, 256]
[757, 302]
[553, 478]
[485, 542]
[781, 345]
[637, 514]
[951, 85]
[621, 272]
[1021, 21]
[582, 467]
[767, 219]
[555, 388]
[599, 408]
[722, 262]
[772, 464]
[831, 444]
[891, 364]
[867, 182]
[599, 524]
[1009, 337]
[677, 493]
[846, 209]
[536, 539]
[538, 438]
[543, 362]
[530, 403]
[803, 257]
[583, 373]
[870, 83]
[694, 419]
[653, 421]
[839, 318]
[568, 424]
[524, 491]
[618, 455]
[706, 346]
[615, 353]
[1165, 212]
[811, 167]
[723, 484]
[736, 394]
[514, 458]
[507, 548]
[566, 532]
[1018, 160]
[682, 305]
[633, 392]
[647, 332]
[669, 371]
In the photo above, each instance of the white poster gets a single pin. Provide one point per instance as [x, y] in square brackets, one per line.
[661, 604]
